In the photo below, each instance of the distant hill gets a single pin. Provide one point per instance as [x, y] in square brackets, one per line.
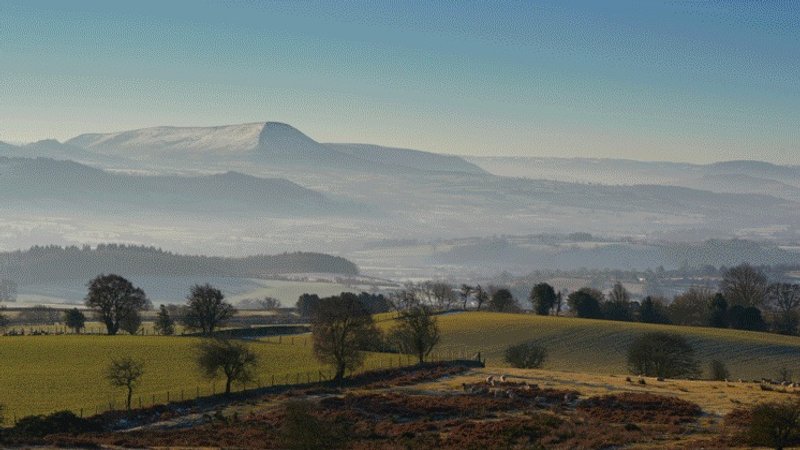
[69, 184]
[52, 263]
[623, 256]
[728, 176]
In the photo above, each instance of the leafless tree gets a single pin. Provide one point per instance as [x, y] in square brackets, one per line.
[125, 372]
[744, 286]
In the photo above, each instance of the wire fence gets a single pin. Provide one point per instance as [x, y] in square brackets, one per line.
[277, 380]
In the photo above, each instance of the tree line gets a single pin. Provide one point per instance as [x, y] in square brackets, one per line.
[44, 264]
[743, 299]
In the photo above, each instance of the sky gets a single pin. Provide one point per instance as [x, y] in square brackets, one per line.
[694, 81]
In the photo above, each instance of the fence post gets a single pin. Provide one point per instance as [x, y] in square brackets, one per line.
[197, 395]
[167, 396]
[273, 380]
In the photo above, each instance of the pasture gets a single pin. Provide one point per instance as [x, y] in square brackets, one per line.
[599, 346]
[42, 374]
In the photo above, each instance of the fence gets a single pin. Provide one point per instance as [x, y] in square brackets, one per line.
[278, 380]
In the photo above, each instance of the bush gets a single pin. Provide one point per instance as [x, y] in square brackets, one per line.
[663, 355]
[59, 422]
[718, 370]
[528, 355]
[775, 424]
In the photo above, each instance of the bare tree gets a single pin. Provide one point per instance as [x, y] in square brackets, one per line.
[443, 295]
[481, 296]
[340, 328]
[405, 299]
[744, 286]
[125, 372]
[114, 298]
[233, 359]
[206, 309]
[417, 332]
[784, 300]
[465, 292]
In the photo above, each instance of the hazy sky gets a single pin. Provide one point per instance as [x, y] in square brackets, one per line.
[674, 80]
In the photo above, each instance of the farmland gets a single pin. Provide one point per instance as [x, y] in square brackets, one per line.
[42, 374]
[598, 346]
[58, 372]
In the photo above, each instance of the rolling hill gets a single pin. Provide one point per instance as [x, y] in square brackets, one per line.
[598, 346]
[69, 185]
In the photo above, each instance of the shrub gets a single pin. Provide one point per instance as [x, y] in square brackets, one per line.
[527, 355]
[775, 424]
[718, 370]
[59, 422]
[660, 354]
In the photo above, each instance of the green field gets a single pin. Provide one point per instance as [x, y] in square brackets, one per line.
[598, 346]
[42, 374]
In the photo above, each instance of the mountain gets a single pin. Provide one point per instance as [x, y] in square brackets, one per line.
[174, 141]
[269, 143]
[413, 159]
[69, 184]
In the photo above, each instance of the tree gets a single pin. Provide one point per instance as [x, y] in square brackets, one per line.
[233, 359]
[543, 298]
[618, 304]
[660, 354]
[527, 355]
[718, 370]
[131, 323]
[746, 318]
[718, 311]
[164, 324]
[503, 301]
[340, 328]
[75, 319]
[784, 300]
[775, 424]
[306, 304]
[114, 298]
[417, 332]
[375, 303]
[691, 307]
[465, 292]
[206, 309]
[585, 302]
[443, 295]
[744, 286]
[39, 315]
[405, 299]
[125, 372]
[653, 310]
[481, 296]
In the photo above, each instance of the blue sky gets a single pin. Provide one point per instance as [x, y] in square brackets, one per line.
[674, 80]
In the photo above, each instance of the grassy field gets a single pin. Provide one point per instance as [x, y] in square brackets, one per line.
[42, 374]
[45, 373]
[597, 346]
